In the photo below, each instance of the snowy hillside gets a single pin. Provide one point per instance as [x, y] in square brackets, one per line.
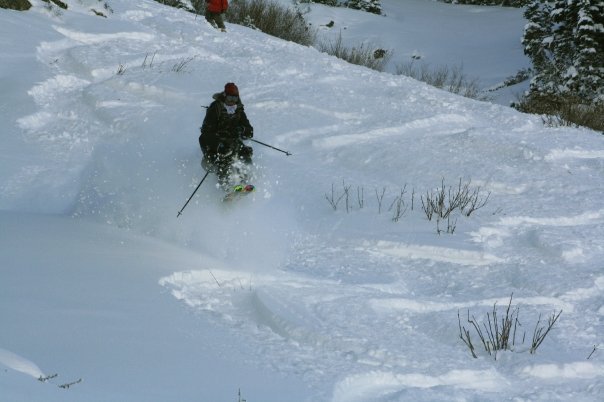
[279, 294]
[484, 42]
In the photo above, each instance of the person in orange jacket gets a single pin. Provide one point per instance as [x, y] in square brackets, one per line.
[214, 11]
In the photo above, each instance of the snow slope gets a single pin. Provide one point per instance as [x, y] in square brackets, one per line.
[486, 41]
[279, 295]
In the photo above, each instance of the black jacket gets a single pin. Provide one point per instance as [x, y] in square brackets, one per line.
[221, 132]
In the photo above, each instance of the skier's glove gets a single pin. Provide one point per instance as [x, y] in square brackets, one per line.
[243, 133]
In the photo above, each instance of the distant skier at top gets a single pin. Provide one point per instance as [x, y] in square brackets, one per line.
[214, 13]
[224, 128]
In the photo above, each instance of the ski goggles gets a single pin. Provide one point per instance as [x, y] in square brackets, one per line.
[231, 99]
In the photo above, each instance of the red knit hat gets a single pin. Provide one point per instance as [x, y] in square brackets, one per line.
[231, 89]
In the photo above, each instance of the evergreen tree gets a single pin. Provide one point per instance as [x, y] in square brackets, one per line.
[589, 62]
[564, 16]
[565, 41]
[537, 40]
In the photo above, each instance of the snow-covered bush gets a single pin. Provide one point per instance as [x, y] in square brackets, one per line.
[371, 6]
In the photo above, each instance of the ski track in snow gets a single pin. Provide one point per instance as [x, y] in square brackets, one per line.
[293, 311]
[376, 385]
[561, 154]
[296, 317]
[583, 370]
[454, 124]
[437, 254]
[509, 228]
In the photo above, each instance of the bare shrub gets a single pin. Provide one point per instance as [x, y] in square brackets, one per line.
[380, 198]
[181, 65]
[148, 61]
[334, 198]
[439, 203]
[443, 77]
[361, 197]
[443, 201]
[361, 55]
[542, 330]
[398, 205]
[272, 18]
[500, 332]
[451, 225]
[121, 69]
[592, 352]
[559, 110]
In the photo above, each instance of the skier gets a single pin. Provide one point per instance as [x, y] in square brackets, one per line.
[214, 11]
[224, 127]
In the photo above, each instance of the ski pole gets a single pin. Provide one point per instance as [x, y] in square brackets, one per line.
[197, 188]
[270, 146]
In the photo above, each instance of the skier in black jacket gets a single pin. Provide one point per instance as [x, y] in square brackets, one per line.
[224, 127]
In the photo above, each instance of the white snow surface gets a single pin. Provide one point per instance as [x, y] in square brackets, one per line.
[277, 294]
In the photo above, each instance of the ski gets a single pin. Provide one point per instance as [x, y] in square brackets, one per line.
[238, 191]
[67, 385]
[48, 377]
[70, 384]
